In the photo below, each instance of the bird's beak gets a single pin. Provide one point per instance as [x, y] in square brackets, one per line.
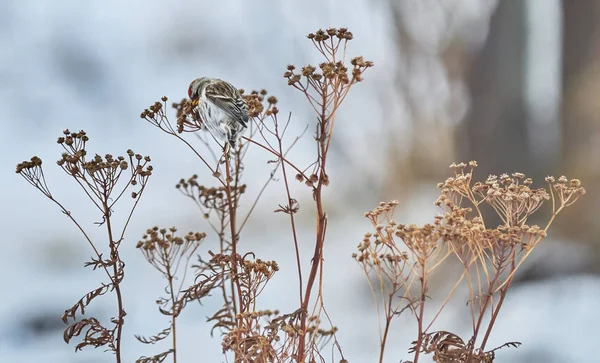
[195, 102]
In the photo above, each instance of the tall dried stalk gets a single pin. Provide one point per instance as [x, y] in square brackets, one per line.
[104, 180]
[325, 87]
[325, 91]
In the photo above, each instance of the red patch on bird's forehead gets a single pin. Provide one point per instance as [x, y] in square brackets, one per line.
[190, 92]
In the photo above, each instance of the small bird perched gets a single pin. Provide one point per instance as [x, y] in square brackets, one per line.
[221, 108]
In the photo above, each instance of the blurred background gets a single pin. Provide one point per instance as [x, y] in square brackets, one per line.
[511, 84]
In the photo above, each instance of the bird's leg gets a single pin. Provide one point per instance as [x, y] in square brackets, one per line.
[226, 148]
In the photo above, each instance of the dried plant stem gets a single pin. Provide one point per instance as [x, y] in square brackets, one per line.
[421, 314]
[446, 301]
[495, 312]
[316, 261]
[114, 254]
[495, 309]
[290, 205]
[87, 238]
[388, 324]
[503, 292]
[320, 239]
[280, 156]
[325, 92]
[173, 308]
[162, 122]
[232, 205]
[483, 308]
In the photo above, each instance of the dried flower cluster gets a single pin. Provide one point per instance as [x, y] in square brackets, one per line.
[166, 252]
[333, 71]
[325, 90]
[104, 180]
[402, 256]
[257, 105]
[209, 198]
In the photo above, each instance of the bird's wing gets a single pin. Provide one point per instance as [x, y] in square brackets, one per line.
[228, 98]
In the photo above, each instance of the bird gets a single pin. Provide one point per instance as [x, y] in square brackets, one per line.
[220, 107]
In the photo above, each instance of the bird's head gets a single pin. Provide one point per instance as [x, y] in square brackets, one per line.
[196, 88]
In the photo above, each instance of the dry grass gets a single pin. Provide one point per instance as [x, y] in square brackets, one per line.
[398, 258]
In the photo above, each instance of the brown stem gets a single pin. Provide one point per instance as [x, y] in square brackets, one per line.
[388, 321]
[421, 310]
[232, 219]
[222, 249]
[316, 261]
[494, 316]
[173, 317]
[484, 307]
[114, 255]
[278, 155]
[482, 310]
[322, 137]
[290, 207]
[496, 311]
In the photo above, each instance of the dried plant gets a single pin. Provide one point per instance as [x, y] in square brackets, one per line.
[240, 277]
[399, 258]
[166, 252]
[402, 258]
[104, 180]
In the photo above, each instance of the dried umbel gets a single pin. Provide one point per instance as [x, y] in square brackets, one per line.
[258, 101]
[170, 255]
[209, 198]
[97, 175]
[327, 87]
[188, 118]
[105, 180]
[402, 256]
[164, 250]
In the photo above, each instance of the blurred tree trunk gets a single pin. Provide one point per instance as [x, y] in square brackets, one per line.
[581, 112]
[495, 130]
